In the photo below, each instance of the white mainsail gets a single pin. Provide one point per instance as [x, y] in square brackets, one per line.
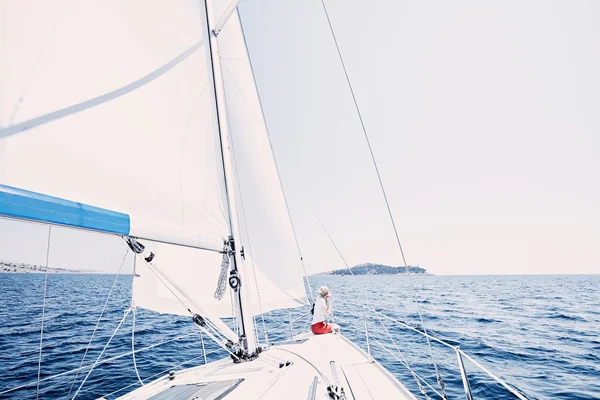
[114, 105]
[117, 103]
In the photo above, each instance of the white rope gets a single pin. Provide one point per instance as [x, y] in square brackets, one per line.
[37, 390]
[137, 373]
[203, 349]
[102, 352]
[99, 319]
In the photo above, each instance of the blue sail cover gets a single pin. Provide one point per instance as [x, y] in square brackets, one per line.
[23, 204]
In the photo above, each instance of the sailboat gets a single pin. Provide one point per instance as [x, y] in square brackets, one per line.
[144, 121]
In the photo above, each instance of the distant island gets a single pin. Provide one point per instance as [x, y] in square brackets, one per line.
[377, 269]
[21, 268]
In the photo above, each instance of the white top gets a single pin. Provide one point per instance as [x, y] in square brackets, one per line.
[319, 315]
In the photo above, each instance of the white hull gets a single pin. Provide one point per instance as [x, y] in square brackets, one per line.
[263, 378]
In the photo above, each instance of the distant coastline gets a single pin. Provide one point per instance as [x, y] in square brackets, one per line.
[23, 268]
[377, 269]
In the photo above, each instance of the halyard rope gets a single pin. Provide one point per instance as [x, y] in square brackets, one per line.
[222, 281]
[364, 129]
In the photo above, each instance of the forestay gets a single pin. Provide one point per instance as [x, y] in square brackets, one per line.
[265, 225]
[112, 106]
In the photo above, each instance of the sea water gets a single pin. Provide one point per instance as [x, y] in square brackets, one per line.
[541, 334]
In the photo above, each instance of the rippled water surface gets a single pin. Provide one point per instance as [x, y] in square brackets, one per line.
[539, 333]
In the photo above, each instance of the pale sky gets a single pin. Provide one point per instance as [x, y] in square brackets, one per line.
[482, 115]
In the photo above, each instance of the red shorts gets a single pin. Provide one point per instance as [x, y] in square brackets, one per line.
[320, 328]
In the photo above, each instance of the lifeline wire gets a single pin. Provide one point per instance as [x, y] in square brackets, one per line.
[37, 390]
[403, 363]
[102, 352]
[101, 362]
[364, 129]
[98, 321]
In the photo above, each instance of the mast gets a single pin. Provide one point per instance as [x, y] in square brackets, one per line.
[242, 295]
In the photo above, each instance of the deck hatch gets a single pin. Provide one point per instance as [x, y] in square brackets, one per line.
[215, 390]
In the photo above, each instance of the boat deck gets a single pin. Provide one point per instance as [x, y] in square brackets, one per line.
[310, 356]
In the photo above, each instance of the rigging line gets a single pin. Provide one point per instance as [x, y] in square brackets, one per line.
[500, 381]
[310, 291]
[402, 323]
[37, 390]
[239, 187]
[364, 129]
[137, 373]
[402, 356]
[415, 375]
[349, 323]
[100, 363]
[102, 352]
[167, 286]
[219, 342]
[87, 348]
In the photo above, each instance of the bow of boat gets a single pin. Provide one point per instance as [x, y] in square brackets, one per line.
[307, 367]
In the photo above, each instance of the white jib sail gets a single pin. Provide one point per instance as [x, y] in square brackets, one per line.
[192, 275]
[111, 104]
[265, 226]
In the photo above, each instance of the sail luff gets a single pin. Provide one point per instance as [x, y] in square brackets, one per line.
[242, 295]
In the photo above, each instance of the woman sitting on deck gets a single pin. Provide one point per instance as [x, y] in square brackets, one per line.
[321, 310]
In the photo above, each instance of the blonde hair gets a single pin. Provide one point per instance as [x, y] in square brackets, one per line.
[323, 291]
